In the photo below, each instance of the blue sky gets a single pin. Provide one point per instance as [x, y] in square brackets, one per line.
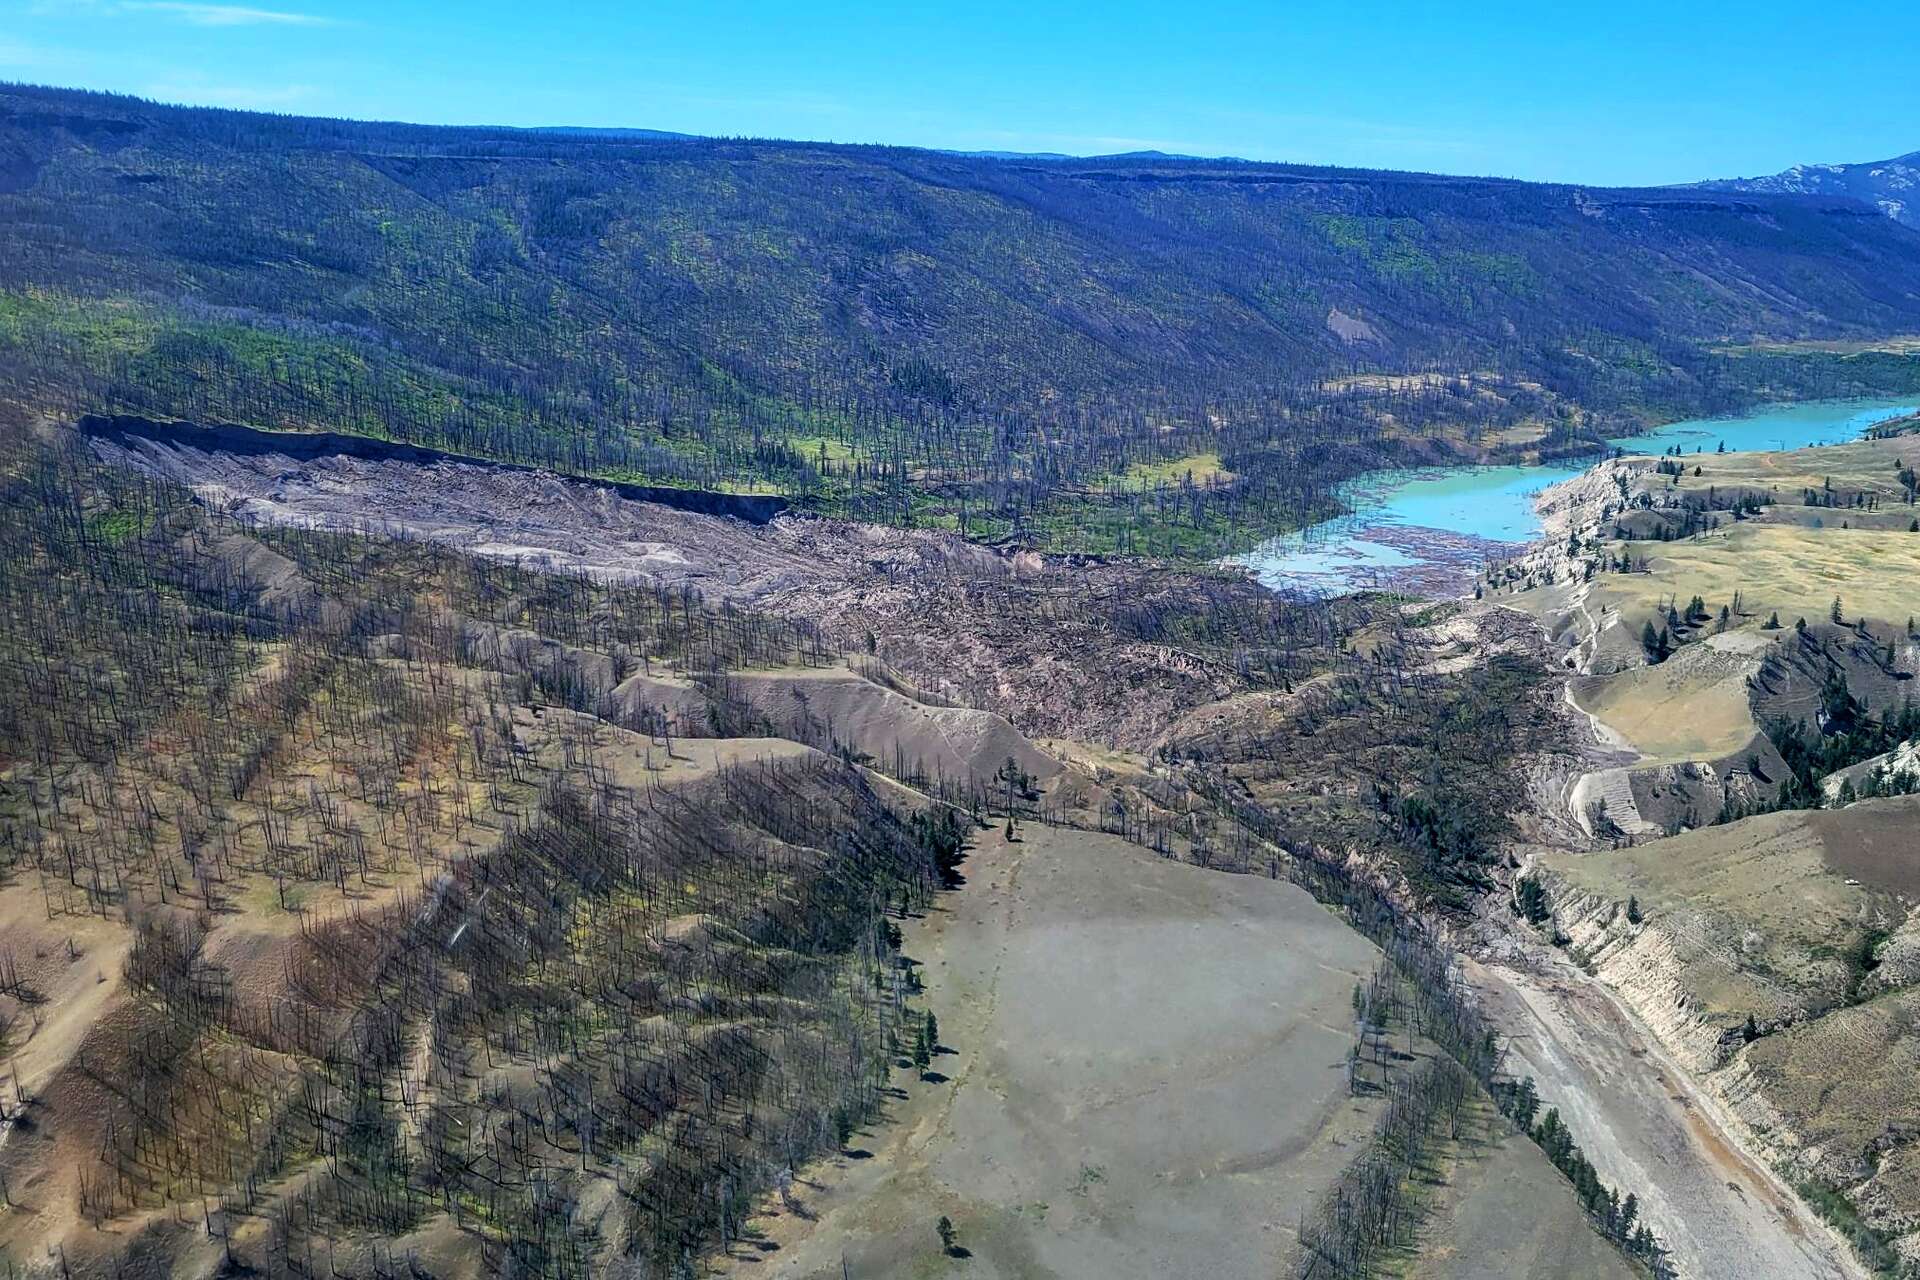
[1616, 93]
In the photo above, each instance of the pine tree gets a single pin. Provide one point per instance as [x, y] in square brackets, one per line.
[1533, 901]
[1526, 1103]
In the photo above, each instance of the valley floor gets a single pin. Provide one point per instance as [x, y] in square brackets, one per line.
[1647, 1126]
[1143, 1077]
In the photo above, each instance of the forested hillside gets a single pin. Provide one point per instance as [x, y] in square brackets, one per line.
[1076, 350]
[325, 876]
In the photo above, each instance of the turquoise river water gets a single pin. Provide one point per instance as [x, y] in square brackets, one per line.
[1432, 529]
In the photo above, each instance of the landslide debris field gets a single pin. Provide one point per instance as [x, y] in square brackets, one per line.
[1007, 633]
[373, 904]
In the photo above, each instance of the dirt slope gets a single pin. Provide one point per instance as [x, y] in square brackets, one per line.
[1145, 1076]
[1641, 1122]
[834, 706]
[1502, 1219]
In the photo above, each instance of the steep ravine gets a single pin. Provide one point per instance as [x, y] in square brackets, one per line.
[1648, 1128]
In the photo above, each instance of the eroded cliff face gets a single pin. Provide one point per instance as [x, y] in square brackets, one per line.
[1556, 589]
[1675, 797]
[1651, 966]
[1776, 958]
[1799, 1024]
[1834, 1099]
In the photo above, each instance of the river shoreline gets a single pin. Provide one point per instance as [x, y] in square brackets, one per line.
[1430, 531]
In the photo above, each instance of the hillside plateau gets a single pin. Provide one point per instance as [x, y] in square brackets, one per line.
[1132, 353]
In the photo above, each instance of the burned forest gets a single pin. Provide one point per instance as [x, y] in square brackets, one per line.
[405, 955]
[588, 702]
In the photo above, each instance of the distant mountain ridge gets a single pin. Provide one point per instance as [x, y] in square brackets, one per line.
[1108, 155]
[600, 131]
[1892, 186]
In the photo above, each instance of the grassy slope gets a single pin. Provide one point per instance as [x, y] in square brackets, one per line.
[1791, 558]
[1138, 1080]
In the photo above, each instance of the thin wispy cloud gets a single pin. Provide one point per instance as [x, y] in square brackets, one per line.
[184, 11]
[226, 15]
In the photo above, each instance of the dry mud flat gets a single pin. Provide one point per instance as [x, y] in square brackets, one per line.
[1141, 1077]
[1145, 1077]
